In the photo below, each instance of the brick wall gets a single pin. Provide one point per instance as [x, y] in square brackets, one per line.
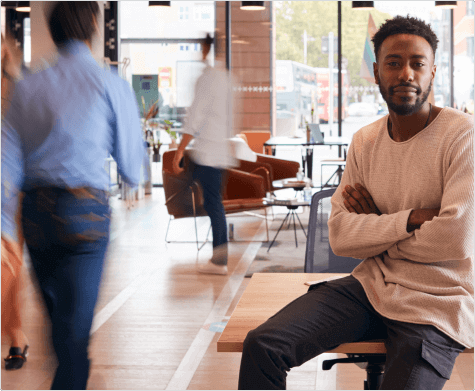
[252, 37]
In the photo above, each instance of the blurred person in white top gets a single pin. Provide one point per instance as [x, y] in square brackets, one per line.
[208, 126]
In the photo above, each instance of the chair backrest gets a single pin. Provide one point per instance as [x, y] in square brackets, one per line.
[177, 188]
[256, 139]
[319, 257]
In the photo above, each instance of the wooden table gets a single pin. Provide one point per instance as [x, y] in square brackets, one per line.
[266, 294]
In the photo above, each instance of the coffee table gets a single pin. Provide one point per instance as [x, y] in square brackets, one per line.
[292, 183]
[291, 206]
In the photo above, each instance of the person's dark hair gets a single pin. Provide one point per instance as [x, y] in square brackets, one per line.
[208, 40]
[73, 20]
[404, 25]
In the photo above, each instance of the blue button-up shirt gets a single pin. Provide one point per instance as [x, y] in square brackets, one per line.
[67, 119]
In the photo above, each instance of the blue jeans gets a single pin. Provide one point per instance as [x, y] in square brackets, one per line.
[67, 232]
[210, 179]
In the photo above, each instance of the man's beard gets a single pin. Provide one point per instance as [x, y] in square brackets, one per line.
[405, 108]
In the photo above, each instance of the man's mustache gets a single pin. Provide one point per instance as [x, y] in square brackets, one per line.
[391, 89]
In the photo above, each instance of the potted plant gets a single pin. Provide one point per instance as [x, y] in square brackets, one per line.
[172, 133]
[148, 113]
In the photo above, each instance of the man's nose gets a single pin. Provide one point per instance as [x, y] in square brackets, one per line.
[407, 74]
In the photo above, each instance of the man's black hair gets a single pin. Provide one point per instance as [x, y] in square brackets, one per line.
[404, 25]
[208, 40]
[73, 20]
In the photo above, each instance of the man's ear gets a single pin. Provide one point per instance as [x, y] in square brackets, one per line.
[376, 74]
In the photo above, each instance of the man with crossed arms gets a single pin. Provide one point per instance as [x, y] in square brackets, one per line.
[405, 206]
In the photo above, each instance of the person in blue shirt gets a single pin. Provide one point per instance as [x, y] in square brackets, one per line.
[69, 118]
[12, 238]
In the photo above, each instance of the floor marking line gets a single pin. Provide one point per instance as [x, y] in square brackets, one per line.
[189, 364]
[113, 306]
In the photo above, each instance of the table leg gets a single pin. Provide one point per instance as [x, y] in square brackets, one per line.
[303, 229]
[275, 237]
[309, 159]
[295, 229]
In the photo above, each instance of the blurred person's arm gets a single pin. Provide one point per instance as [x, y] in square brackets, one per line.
[196, 118]
[11, 70]
[128, 145]
[180, 152]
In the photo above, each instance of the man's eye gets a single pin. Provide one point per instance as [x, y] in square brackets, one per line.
[393, 64]
[419, 64]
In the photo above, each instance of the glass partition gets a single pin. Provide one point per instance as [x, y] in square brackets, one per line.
[160, 48]
[464, 56]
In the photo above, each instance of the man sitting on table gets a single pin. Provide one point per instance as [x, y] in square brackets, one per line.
[405, 206]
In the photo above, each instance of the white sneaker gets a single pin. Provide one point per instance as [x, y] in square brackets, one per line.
[211, 268]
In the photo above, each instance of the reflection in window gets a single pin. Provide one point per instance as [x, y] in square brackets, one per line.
[184, 13]
[27, 41]
[470, 6]
[463, 56]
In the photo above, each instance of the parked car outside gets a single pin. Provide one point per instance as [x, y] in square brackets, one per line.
[362, 109]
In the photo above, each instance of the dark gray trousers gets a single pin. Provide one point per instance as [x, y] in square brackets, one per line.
[419, 357]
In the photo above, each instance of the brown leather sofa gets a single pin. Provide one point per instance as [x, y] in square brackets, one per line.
[277, 168]
[242, 191]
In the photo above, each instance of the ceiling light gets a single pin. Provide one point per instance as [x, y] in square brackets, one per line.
[158, 3]
[23, 6]
[363, 5]
[446, 4]
[252, 5]
[19, 6]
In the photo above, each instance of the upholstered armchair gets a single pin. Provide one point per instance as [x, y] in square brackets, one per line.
[256, 139]
[242, 191]
[277, 168]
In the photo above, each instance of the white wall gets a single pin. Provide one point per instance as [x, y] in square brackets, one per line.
[42, 45]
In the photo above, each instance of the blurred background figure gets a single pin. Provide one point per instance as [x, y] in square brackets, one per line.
[12, 239]
[69, 118]
[208, 126]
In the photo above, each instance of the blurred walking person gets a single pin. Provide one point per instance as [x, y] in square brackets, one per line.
[207, 125]
[69, 118]
[12, 239]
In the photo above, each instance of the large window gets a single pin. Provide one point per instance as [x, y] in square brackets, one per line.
[305, 51]
[161, 46]
[305, 44]
[463, 56]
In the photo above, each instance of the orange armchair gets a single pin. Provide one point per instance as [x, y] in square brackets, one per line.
[242, 191]
[256, 139]
[277, 168]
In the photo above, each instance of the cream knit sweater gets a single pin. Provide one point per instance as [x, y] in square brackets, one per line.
[425, 276]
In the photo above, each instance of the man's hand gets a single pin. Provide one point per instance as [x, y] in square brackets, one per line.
[176, 162]
[417, 217]
[358, 200]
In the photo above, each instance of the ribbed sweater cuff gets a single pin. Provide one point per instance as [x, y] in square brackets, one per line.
[401, 224]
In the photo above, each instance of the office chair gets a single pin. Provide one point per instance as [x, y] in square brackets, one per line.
[320, 258]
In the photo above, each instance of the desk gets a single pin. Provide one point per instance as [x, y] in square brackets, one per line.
[266, 294]
[307, 160]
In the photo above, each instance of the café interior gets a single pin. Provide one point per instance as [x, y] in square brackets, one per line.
[159, 324]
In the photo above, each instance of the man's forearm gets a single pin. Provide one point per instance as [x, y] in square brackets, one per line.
[419, 216]
[185, 141]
